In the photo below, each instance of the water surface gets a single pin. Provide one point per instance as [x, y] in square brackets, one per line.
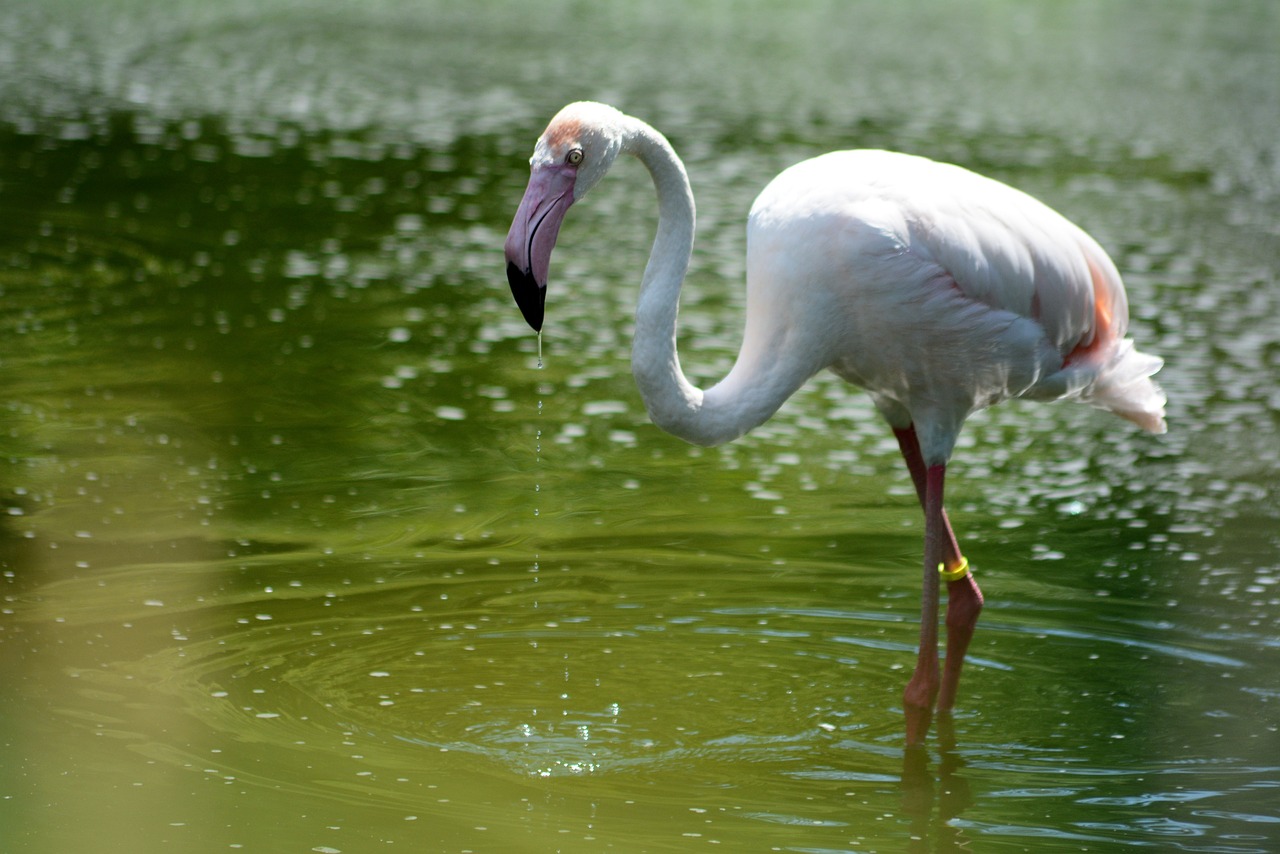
[303, 552]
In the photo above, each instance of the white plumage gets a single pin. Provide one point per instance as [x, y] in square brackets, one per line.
[937, 290]
[940, 292]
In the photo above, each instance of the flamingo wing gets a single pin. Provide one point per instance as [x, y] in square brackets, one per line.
[943, 291]
[999, 246]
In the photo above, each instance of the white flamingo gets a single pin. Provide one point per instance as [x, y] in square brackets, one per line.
[937, 290]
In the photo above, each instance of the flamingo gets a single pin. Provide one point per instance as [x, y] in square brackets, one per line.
[938, 291]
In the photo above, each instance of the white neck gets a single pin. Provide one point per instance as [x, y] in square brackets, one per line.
[744, 399]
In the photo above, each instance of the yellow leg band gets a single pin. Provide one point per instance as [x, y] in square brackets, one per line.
[961, 570]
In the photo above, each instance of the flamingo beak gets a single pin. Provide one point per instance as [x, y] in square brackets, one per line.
[533, 236]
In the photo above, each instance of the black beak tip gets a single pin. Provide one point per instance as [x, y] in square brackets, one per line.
[530, 295]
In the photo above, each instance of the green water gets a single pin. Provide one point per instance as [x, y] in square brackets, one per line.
[302, 551]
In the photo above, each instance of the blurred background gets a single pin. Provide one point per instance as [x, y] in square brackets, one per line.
[302, 550]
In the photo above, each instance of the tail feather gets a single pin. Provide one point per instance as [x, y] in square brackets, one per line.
[1124, 386]
[1116, 376]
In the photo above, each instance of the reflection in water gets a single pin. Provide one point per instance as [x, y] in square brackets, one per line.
[949, 795]
[270, 576]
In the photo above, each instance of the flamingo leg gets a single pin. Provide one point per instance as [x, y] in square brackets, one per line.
[922, 689]
[964, 604]
[964, 599]
[909, 444]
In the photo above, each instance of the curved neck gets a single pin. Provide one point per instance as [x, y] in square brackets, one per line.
[738, 403]
[674, 404]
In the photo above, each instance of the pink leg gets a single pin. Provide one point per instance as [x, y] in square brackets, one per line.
[909, 444]
[922, 689]
[964, 599]
[964, 604]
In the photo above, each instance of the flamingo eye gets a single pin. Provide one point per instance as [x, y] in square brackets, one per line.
[574, 157]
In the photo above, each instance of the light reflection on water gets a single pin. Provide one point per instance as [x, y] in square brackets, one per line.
[299, 544]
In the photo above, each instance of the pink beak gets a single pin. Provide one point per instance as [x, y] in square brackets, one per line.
[533, 236]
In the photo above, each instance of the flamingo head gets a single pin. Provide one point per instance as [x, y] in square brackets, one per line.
[572, 154]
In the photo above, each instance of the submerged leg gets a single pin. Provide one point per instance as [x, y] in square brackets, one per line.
[964, 599]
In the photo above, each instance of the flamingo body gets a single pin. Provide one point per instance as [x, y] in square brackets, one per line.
[937, 290]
